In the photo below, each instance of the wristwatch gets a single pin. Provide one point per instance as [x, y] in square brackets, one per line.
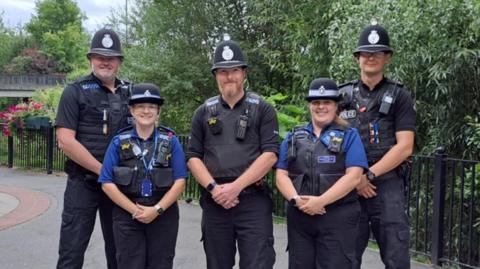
[370, 176]
[159, 209]
[293, 200]
[211, 186]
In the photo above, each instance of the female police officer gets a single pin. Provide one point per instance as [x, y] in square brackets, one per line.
[144, 172]
[319, 166]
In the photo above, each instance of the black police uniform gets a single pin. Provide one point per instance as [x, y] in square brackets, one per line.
[226, 158]
[378, 114]
[228, 141]
[95, 113]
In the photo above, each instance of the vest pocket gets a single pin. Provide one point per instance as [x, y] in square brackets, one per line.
[326, 181]
[162, 177]
[297, 181]
[123, 175]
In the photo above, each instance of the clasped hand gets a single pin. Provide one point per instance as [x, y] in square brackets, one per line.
[226, 195]
[145, 214]
[311, 205]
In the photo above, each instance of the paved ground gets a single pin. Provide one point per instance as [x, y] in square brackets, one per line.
[30, 210]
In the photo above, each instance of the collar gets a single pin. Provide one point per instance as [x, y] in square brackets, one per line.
[239, 103]
[99, 82]
[134, 135]
[376, 87]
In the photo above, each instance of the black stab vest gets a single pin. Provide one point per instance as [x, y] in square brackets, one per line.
[93, 100]
[315, 169]
[130, 172]
[225, 156]
[363, 120]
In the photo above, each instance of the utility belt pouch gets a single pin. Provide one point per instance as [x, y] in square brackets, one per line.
[242, 126]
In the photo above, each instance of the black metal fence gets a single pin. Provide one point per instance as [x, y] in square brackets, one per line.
[443, 194]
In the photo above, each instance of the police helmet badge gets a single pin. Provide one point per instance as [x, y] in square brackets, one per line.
[147, 93]
[227, 53]
[373, 37]
[107, 41]
[321, 90]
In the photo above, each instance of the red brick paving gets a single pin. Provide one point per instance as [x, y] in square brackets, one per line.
[31, 204]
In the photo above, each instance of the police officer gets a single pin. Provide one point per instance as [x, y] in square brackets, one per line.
[382, 110]
[319, 166]
[91, 110]
[233, 145]
[144, 173]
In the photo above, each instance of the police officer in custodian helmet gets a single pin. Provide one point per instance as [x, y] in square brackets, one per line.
[382, 110]
[319, 166]
[91, 110]
[233, 145]
[144, 173]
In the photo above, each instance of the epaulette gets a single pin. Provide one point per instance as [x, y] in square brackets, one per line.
[299, 130]
[125, 129]
[165, 129]
[391, 81]
[253, 98]
[353, 82]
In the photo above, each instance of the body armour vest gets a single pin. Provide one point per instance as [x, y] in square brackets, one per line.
[232, 141]
[315, 166]
[131, 172]
[102, 114]
[373, 117]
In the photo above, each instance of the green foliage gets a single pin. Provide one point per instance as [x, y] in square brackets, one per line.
[57, 29]
[68, 47]
[11, 43]
[49, 98]
[19, 65]
[289, 115]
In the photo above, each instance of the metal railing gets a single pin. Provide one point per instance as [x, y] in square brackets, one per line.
[443, 194]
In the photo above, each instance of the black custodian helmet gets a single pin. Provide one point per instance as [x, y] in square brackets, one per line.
[228, 55]
[323, 88]
[145, 93]
[106, 42]
[373, 38]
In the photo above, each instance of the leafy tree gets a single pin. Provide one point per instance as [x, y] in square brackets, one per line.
[436, 56]
[11, 43]
[57, 28]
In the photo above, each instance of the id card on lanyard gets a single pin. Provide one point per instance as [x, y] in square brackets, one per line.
[146, 184]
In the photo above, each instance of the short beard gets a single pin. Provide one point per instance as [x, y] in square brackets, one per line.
[104, 79]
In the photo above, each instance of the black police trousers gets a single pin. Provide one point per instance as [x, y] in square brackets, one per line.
[143, 246]
[385, 214]
[82, 199]
[323, 241]
[249, 224]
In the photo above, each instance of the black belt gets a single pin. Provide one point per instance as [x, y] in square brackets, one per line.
[148, 201]
[252, 188]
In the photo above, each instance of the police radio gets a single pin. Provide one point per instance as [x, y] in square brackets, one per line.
[163, 154]
[387, 101]
[242, 125]
[292, 150]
